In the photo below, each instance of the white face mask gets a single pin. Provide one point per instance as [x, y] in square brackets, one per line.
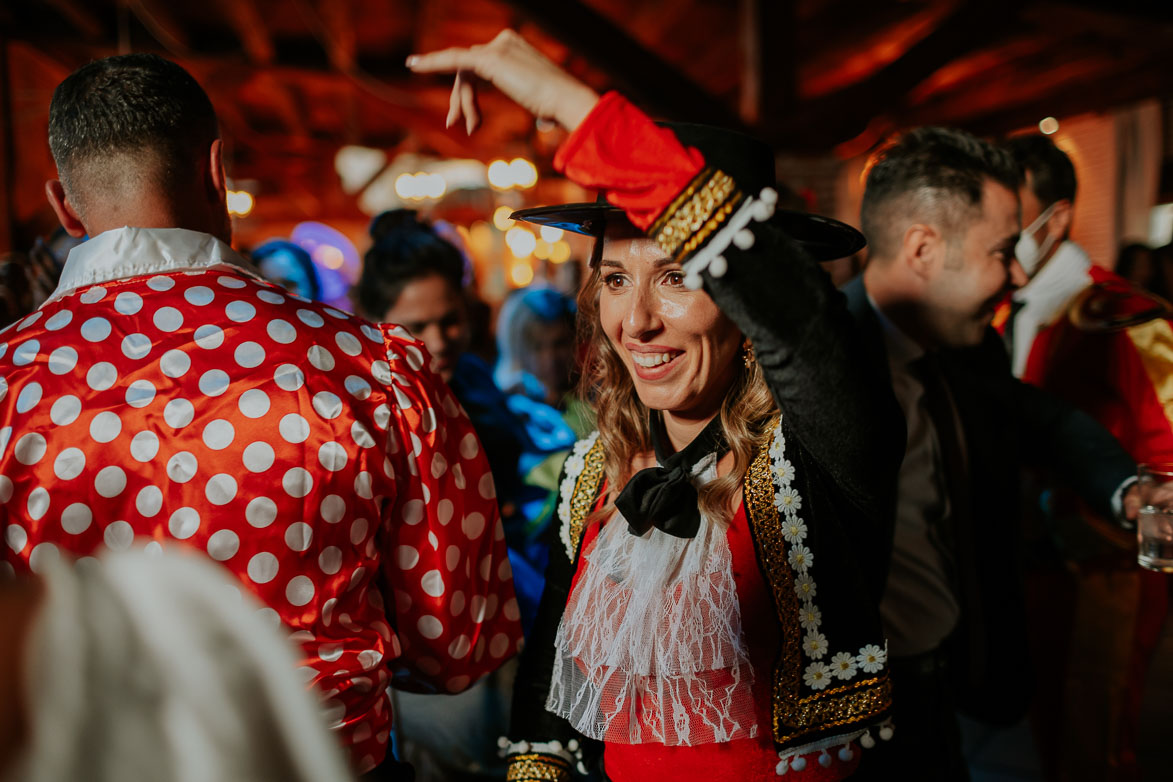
[1027, 251]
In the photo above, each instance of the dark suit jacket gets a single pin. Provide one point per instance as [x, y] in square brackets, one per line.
[1006, 423]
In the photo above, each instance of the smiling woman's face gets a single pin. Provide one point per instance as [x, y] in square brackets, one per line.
[678, 346]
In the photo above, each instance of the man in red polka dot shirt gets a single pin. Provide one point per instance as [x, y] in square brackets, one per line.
[166, 397]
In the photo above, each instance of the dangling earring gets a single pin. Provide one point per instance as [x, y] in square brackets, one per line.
[747, 353]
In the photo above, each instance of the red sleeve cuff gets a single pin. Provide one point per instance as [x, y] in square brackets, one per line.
[639, 166]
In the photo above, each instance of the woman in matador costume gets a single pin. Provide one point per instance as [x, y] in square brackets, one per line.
[710, 607]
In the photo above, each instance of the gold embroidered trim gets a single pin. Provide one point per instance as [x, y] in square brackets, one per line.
[795, 716]
[585, 490]
[682, 220]
[534, 767]
[1154, 346]
[701, 236]
[697, 181]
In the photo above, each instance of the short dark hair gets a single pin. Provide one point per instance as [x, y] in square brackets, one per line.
[130, 103]
[1052, 176]
[935, 172]
[404, 250]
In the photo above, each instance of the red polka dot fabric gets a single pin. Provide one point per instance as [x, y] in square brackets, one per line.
[312, 454]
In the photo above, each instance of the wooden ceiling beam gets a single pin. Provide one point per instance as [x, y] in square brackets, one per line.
[641, 74]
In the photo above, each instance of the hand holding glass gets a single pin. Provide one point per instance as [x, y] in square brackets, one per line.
[1155, 520]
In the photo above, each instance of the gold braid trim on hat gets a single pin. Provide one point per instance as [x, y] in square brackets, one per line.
[537, 768]
[794, 714]
[696, 213]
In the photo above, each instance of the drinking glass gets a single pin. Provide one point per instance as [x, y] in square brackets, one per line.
[1155, 521]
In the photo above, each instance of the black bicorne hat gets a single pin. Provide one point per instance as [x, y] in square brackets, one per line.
[751, 165]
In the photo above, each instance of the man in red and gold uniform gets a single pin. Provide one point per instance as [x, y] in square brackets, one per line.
[1085, 334]
[165, 396]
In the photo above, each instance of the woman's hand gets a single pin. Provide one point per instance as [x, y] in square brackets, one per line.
[518, 70]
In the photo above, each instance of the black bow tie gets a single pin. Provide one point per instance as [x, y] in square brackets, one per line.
[663, 496]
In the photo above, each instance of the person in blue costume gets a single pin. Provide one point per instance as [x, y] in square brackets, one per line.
[290, 266]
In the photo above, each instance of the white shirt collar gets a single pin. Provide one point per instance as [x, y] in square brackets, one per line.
[1046, 297]
[902, 349]
[131, 252]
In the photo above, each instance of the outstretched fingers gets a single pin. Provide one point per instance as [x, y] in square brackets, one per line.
[452, 60]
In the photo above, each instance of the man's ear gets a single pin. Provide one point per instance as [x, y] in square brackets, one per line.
[217, 180]
[1060, 222]
[66, 212]
[922, 249]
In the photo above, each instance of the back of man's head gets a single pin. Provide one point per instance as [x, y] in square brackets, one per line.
[129, 124]
[1051, 174]
[929, 175]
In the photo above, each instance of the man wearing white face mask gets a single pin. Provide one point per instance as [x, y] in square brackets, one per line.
[1087, 335]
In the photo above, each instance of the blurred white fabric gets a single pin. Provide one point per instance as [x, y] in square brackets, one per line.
[155, 667]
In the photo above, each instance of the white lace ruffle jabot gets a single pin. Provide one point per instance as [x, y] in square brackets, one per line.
[650, 647]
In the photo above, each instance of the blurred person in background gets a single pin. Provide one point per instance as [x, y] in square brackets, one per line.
[164, 392]
[141, 666]
[288, 265]
[1135, 264]
[414, 277]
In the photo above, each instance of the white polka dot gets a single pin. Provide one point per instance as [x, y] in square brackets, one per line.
[258, 456]
[357, 387]
[220, 489]
[140, 393]
[332, 456]
[65, 410]
[105, 427]
[76, 518]
[499, 645]
[430, 627]
[381, 372]
[320, 358]
[174, 363]
[93, 295]
[469, 446]
[30, 320]
[253, 403]
[270, 297]
[62, 319]
[406, 557]
[372, 333]
[42, 557]
[149, 501]
[358, 531]
[95, 329]
[231, 282]
[433, 583]
[182, 467]
[413, 512]
[262, 568]
[5, 436]
[118, 536]
[110, 481]
[382, 418]
[460, 648]
[30, 397]
[260, 512]
[167, 319]
[128, 303]
[144, 446]
[298, 536]
[69, 464]
[199, 295]
[289, 377]
[62, 360]
[452, 557]
[209, 336]
[160, 283]
[439, 464]
[153, 549]
[333, 509]
[299, 590]
[16, 537]
[214, 382]
[184, 523]
[297, 482]
[5, 488]
[348, 343]
[473, 525]
[281, 331]
[486, 487]
[136, 346]
[223, 545]
[310, 318]
[249, 355]
[330, 652]
[361, 435]
[26, 353]
[240, 311]
[101, 376]
[362, 485]
[219, 434]
[415, 358]
[330, 560]
[327, 405]
[294, 428]
[178, 413]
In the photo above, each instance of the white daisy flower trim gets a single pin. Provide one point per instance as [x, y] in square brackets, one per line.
[788, 501]
[575, 464]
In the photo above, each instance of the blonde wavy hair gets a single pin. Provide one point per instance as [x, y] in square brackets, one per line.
[622, 419]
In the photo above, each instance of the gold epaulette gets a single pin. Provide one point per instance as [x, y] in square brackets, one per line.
[1115, 305]
[695, 214]
[534, 767]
